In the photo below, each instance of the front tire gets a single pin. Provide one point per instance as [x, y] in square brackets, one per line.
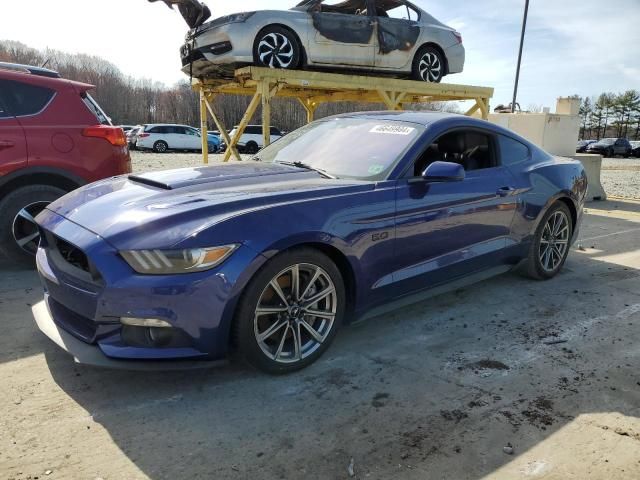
[551, 244]
[429, 65]
[19, 234]
[277, 47]
[290, 311]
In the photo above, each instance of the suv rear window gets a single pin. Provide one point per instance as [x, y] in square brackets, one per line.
[95, 109]
[25, 99]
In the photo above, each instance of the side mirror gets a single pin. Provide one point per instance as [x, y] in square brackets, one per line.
[443, 172]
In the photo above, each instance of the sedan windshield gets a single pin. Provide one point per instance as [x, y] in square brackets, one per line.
[360, 148]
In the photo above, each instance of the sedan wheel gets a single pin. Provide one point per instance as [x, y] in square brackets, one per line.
[276, 47]
[295, 313]
[554, 242]
[550, 247]
[429, 65]
[296, 303]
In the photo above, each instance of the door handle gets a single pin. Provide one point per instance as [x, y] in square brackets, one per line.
[6, 144]
[505, 191]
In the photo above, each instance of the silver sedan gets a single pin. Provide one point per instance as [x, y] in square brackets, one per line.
[392, 37]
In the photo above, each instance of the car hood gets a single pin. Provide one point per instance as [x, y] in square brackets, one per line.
[162, 209]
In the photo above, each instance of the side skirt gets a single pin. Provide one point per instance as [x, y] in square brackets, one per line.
[412, 298]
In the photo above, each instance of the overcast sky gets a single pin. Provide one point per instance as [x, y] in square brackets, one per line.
[572, 46]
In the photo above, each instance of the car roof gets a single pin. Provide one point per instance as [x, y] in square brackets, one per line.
[420, 118]
[40, 71]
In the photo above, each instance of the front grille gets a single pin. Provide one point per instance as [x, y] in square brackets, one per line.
[77, 325]
[71, 261]
[73, 255]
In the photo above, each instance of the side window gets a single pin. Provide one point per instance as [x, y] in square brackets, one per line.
[512, 151]
[25, 99]
[191, 131]
[275, 131]
[158, 130]
[178, 130]
[253, 130]
[340, 6]
[399, 12]
[472, 149]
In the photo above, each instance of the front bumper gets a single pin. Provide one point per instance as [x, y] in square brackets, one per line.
[87, 354]
[219, 50]
[82, 309]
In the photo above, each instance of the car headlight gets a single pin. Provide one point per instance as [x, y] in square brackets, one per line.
[166, 262]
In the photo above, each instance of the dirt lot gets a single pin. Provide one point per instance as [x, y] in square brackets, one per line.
[438, 390]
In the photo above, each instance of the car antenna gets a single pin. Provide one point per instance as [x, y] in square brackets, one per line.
[45, 62]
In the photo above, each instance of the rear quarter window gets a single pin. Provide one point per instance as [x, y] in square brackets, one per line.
[512, 151]
[93, 106]
[24, 99]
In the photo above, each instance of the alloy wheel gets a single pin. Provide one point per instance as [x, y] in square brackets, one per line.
[295, 313]
[554, 241]
[275, 50]
[25, 229]
[430, 67]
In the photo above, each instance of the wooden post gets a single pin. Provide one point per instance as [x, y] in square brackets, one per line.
[264, 90]
[309, 106]
[248, 115]
[223, 131]
[203, 127]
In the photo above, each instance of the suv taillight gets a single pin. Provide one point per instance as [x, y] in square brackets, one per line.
[142, 135]
[113, 135]
[458, 36]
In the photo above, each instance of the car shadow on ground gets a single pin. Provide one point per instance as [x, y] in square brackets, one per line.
[435, 390]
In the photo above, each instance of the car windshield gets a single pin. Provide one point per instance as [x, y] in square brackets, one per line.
[359, 148]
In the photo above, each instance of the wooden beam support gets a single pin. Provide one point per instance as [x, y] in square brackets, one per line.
[309, 106]
[221, 128]
[248, 115]
[203, 127]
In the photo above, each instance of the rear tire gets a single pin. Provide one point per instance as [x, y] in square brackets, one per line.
[251, 148]
[551, 244]
[291, 345]
[160, 146]
[277, 47]
[429, 65]
[19, 236]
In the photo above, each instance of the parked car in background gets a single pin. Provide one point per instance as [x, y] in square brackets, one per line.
[54, 138]
[392, 37]
[582, 145]
[164, 137]
[635, 149]
[611, 147]
[270, 257]
[132, 137]
[213, 141]
[252, 139]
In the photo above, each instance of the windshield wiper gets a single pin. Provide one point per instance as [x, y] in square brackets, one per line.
[322, 172]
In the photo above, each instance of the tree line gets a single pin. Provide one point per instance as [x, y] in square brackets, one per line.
[611, 115]
[131, 101]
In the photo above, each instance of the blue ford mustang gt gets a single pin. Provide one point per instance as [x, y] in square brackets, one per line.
[269, 257]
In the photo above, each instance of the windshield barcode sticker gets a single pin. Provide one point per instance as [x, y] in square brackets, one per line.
[392, 129]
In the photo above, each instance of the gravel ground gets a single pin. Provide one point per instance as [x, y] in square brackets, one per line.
[620, 177]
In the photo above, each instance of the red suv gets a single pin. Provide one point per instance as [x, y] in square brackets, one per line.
[54, 138]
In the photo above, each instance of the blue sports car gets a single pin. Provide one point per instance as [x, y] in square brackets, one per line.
[343, 217]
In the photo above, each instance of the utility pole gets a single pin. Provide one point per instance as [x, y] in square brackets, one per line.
[524, 28]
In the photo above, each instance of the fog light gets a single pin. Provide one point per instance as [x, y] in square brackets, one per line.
[160, 337]
[145, 322]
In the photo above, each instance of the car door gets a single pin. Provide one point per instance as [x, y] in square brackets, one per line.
[13, 144]
[397, 31]
[193, 140]
[342, 37]
[450, 229]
